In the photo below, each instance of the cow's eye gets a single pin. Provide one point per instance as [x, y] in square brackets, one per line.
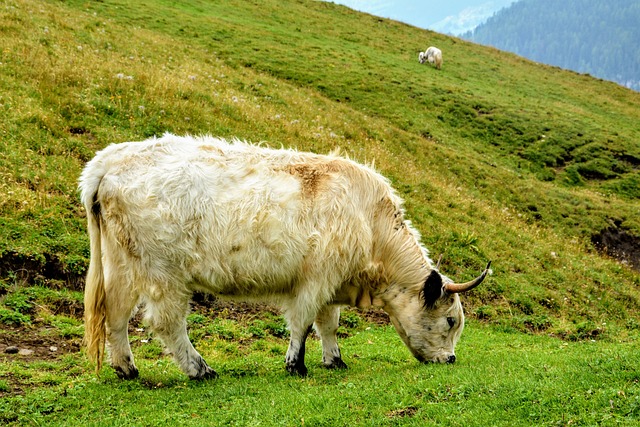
[451, 321]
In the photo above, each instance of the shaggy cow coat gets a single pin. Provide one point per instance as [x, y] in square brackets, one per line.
[171, 216]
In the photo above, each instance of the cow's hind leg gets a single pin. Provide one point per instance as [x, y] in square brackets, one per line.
[167, 317]
[119, 304]
[326, 326]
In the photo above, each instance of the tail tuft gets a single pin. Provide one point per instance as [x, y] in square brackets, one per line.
[95, 310]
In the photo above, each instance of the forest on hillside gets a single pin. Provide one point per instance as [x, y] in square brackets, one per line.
[596, 37]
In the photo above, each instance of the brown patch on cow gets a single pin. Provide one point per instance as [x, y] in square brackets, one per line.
[210, 149]
[312, 176]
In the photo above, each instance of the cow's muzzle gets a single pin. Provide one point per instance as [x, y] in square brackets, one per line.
[450, 359]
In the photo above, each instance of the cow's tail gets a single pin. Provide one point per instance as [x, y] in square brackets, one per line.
[95, 310]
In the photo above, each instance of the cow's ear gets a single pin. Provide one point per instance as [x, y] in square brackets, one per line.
[432, 290]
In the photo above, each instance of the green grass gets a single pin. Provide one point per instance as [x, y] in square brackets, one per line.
[500, 378]
[497, 158]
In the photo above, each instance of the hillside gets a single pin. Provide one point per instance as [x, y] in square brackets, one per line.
[601, 38]
[497, 157]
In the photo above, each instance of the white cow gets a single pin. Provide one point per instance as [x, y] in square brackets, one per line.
[432, 55]
[170, 216]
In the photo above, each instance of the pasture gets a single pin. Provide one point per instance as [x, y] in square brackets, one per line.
[501, 378]
[497, 159]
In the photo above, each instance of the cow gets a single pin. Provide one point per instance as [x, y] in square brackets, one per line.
[432, 55]
[173, 215]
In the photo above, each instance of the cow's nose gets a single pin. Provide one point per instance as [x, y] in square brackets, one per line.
[451, 359]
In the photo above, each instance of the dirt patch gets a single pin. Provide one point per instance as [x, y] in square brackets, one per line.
[35, 343]
[67, 307]
[409, 411]
[25, 344]
[619, 244]
[239, 311]
[48, 270]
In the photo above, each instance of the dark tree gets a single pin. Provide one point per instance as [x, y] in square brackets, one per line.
[598, 37]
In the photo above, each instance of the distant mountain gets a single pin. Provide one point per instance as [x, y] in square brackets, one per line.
[469, 15]
[598, 37]
[454, 17]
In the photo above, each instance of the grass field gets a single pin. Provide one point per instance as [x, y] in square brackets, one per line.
[500, 379]
[498, 158]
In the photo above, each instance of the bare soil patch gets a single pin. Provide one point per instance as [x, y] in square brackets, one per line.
[618, 243]
[31, 343]
[35, 342]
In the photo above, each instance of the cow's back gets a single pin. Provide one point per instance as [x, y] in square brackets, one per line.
[235, 218]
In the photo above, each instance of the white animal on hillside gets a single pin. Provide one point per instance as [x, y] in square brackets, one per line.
[171, 216]
[432, 55]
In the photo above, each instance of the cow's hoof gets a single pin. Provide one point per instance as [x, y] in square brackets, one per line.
[129, 373]
[209, 374]
[336, 363]
[298, 370]
[204, 372]
[199, 370]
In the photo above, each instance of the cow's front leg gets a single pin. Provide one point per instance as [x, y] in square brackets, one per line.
[295, 354]
[299, 315]
[326, 326]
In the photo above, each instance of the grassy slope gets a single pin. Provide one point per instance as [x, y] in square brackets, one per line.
[464, 146]
[488, 152]
[526, 380]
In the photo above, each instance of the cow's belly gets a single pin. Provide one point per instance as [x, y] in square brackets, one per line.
[253, 272]
[264, 254]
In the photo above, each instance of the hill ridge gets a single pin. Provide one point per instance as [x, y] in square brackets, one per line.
[598, 37]
[497, 157]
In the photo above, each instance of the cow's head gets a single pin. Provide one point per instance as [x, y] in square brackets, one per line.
[430, 320]
[421, 57]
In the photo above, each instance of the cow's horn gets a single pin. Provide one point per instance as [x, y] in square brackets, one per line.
[438, 263]
[454, 288]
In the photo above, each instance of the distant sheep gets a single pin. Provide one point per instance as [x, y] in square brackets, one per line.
[433, 55]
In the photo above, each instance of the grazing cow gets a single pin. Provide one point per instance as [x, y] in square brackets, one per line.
[432, 55]
[170, 216]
